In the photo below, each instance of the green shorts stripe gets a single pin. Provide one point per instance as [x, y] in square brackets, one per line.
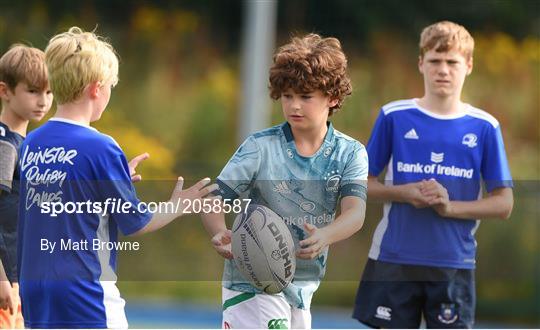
[237, 299]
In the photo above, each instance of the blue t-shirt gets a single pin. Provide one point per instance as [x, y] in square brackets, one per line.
[460, 152]
[73, 285]
[10, 142]
[268, 169]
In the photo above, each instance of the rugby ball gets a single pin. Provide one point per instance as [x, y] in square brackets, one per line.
[263, 249]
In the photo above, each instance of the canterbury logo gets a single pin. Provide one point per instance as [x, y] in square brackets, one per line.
[411, 135]
[277, 324]
[384, 313]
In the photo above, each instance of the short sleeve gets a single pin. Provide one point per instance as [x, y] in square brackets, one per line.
[115, 184]
[379, 147]
[495, 170]
[354, 179]
[8, 162]
[237, 176]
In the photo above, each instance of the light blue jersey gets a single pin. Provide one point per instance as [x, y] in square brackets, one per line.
[66, 281]
[460, 152]
[268, 169]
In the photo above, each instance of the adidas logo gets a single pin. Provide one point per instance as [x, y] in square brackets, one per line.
[282, 188]
[411, 135]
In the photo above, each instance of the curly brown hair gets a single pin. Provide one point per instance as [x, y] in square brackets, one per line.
[311, 63]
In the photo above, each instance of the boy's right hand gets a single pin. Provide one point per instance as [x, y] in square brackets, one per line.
[412, 194]
[222, 243]
[198, 191]
[6, 301]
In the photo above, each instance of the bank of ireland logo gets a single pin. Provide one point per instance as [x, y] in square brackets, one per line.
[307, 206]
[437, 157]
[470, 140]
[448, 314]
[277, 324]
[332, 181]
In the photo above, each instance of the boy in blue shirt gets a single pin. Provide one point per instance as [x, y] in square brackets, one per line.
[66, 279]
[436, 151]
[25, 94]
[301, 170]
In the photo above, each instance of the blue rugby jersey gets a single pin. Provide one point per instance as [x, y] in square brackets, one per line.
[460, 151]
[268, 169]
[74, 287]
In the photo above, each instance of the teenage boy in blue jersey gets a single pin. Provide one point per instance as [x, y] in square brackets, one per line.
[66, 280]
[436, 151]
[300, 169]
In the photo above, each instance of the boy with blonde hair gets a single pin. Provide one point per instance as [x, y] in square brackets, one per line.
[301, 169]
[437, 151]
[66, 280]
[25, 94]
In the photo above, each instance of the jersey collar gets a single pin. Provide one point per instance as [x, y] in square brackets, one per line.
[286, 127]
[6, 131]
[72, 122]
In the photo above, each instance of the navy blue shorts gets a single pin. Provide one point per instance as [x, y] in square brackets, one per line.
[396, 296]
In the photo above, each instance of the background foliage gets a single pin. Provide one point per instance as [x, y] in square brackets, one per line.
[179, 95]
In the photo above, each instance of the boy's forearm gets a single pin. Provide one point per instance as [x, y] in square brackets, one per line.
[158, 221]
[382, 193]
[213, 223]
[3, 276]
[495, 206]
[347, 223]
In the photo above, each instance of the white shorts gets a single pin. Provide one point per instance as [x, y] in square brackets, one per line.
[243, 310]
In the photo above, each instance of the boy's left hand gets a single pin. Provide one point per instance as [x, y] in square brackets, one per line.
[314, 244]
[6, 298]
[438, 197]
[133, 167]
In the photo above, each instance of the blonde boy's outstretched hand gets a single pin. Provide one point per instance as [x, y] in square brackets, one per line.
[133, 166]
[183, 201]
[6, 301]
[187, 199]
[222, 243]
